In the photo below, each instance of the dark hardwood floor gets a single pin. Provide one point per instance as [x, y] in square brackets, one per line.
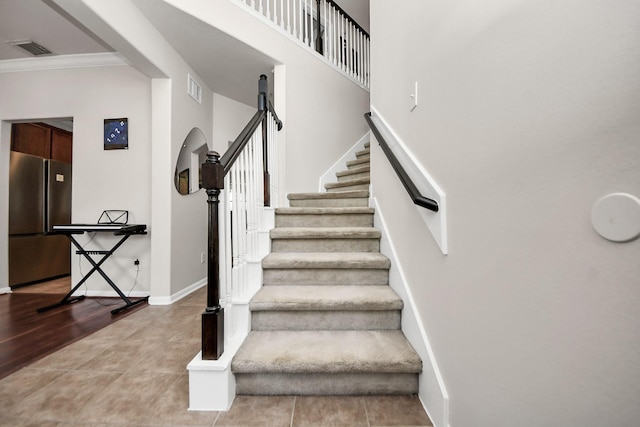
[26, 336]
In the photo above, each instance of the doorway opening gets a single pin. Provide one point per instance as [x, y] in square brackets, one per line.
[41, 158]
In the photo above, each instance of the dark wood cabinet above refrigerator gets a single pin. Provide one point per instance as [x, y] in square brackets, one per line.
[39, 139]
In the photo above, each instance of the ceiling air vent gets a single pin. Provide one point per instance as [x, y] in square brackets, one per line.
[33, 48]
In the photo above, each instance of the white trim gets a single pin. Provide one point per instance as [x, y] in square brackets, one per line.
[432, 391]
[178, 295]
[109, 294]
[330, 174]
[436, 221]
[5, 290]
[57, 62]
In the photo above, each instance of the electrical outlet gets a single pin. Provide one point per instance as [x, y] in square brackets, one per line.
[203, 257]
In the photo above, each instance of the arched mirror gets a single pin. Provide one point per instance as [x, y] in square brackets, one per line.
[187, 177]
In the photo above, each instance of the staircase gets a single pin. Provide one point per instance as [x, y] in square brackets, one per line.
[326, 322]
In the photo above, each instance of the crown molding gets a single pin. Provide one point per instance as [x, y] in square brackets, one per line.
[107, 59]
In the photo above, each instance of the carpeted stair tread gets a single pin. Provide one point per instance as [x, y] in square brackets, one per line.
[357, 163]
[328, 210]
[325, 233]
[354, 171]
[348, 183]
[327, 297]
[326, 352]
[321, 196]
[363, 153]
[326, 260]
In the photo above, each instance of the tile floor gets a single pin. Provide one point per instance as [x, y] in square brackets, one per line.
[133, 373]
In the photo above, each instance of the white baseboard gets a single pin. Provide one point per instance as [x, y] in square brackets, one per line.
[5, 290]
[432, 391]
[340, 164]
[178, 295]
[110, 294]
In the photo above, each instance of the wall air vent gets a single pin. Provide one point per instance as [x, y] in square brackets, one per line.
[33, 48]
[193, 89]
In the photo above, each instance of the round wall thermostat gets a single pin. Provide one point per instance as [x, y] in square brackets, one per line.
[616, 217]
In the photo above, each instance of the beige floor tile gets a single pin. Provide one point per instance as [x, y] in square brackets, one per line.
[118, 331]
[66, 396]
[129, 399]
[395, 411]
[26, 422]
[172, 407]
[343, 411]
[163, 357]
[72, 356]
[17, 386]
[163, 329]
[259, 411]
[116, 357]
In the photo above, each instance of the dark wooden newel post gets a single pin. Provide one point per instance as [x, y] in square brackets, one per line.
[213, 316]
[263, 105]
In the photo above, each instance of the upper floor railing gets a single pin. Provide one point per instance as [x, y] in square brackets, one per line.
[323, 26]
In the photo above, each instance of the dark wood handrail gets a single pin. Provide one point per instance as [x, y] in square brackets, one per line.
[275, 116]
[411, 188]
[229, 157]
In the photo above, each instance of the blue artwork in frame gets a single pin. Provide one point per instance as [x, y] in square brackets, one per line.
[116, 134]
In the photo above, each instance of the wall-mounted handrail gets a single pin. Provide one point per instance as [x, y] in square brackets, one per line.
[246, 146]
[408, 184]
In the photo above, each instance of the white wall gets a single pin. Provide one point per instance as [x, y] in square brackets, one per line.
[229, 118]
[112, 179]
[178, 229]
[321, 109]
[528, 114]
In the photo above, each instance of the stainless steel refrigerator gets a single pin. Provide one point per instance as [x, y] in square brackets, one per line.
[39, 198]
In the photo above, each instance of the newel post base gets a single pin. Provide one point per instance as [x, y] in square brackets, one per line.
[212, 334]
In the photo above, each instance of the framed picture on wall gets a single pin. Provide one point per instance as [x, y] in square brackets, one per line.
[116, 134]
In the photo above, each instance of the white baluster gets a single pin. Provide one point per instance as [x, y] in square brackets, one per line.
[325, 35]
[282, 14]
[360, 55]
[312, 35]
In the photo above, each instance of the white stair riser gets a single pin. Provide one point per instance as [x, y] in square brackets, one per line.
[325, 276]
[325, 320]
[324, 203]
[326, 384]
[324, 220]
[348, 188]
[325, 245]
